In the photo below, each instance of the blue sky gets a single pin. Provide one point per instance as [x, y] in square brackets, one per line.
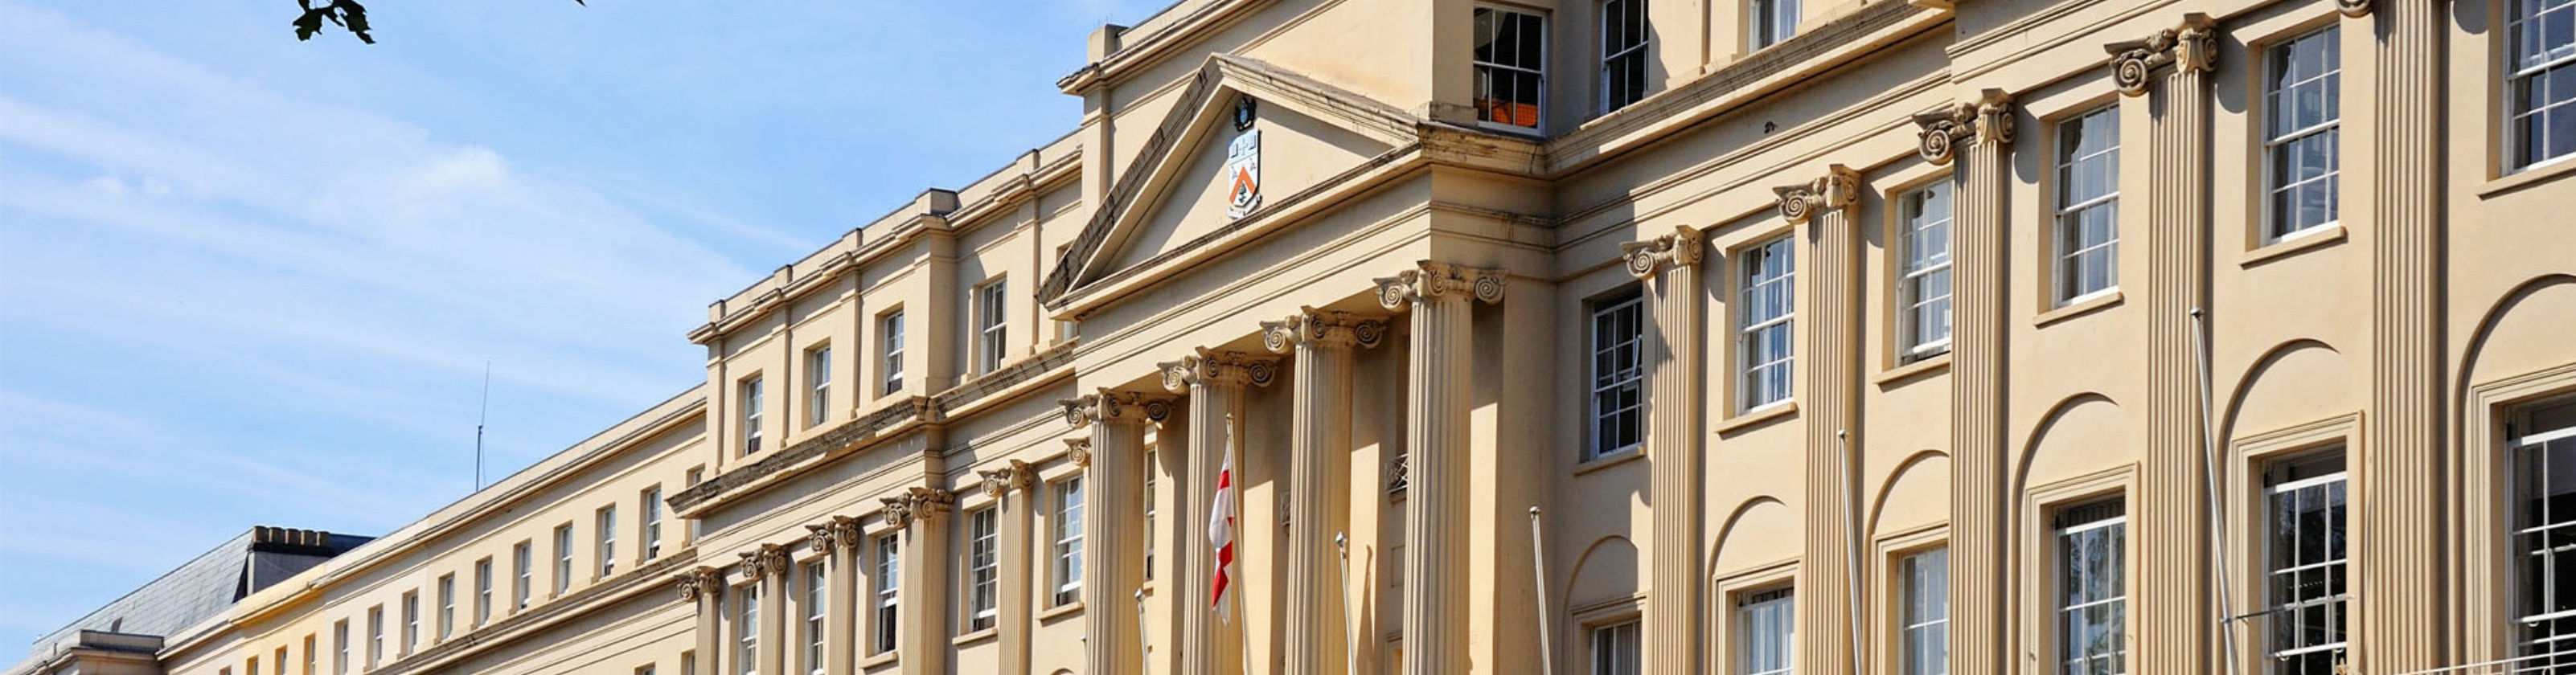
[246, 280]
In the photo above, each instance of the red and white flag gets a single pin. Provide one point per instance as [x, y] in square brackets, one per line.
[1221, 536]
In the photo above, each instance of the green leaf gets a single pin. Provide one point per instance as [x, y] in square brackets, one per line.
[309, 23]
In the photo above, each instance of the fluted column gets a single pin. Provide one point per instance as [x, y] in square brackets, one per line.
[1319, 471]
[1214, 381]
[837, 538]
[1830, 402]
[2175, 625]
[1668, 267]
[1979, 306]
[2401, 542]
[768, 566]
[1113, 522]
[705, 587]
[1010, 487]
[1436, 404]
[922, 515]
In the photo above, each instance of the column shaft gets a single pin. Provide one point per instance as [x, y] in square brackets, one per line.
[1979, 307]
[2401, 565]
[2176, 622]
[1319, 467]
[1208, 646]
[1669, 269]
[1830, 403]
[1113, 541]
[1435, 513]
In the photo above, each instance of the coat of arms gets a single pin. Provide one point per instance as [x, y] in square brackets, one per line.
[1243, 174]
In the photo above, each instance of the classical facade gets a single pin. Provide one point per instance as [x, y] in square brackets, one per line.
[1606, 336]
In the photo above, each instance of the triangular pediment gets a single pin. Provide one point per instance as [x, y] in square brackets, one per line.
[1182, 186]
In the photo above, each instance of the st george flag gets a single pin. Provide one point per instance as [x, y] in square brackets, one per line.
[1221, 536]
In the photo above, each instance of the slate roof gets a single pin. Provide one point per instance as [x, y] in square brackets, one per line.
[201, 588]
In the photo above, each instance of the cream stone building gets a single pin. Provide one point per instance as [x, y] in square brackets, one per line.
[1604, 336]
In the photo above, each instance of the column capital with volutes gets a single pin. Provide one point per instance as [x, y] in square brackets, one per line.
[2190, 48]
[1434, 280]
[1322, 328]
[1115, 406]
[1219, 367]
[1838, 189]
[768, 560]
[1682, 248]
[834, 532]
[1016, 475]
[1987, 120]
[700, 582]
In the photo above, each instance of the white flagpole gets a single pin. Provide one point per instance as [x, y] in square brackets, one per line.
[1144, 645]
[1538, 573]
[1851, 544]
[1350, 624]
[1234, 580]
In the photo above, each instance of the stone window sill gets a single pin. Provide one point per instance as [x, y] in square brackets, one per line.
[1757, 416]
[1074, 607]
[1937, 363]
[977, 637]
[2099, 301]
[882, 659]
[1610, 460]
[2528, 176]
[2301, 241]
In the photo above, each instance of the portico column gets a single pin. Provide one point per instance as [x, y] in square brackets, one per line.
[1978, 307]
[1319, 470]
[1214, 381]
[921, 514]
[1010, 488]
[768, 567]
[1831, 404]
[1113, 522]
[2176, 627]
[1668, 267]
[1437, 401]
[705, 586]
[837, 538]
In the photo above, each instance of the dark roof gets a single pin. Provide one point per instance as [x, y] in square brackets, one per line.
[201, 588]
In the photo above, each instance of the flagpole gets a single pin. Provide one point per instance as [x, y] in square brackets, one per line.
[1350, 625]
[1538, 574]
[1237, 604]
[1144, 646]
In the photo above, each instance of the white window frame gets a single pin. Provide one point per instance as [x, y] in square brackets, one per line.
[482, 592]
[375, 637]
[2280, 144]
[446, 607]
[1616, 56]
[1923, 612]
[1750, 327]
[1616, 648]
[2542, 638]
[410, 625]
[652, 523]
[1769, 22]
[992, 325]
[563, 559]
[2520, 75]
[889, 592]
[1068, 537]
[983, 568]
[523, 558]
[1623, 347]
[2285, 615]
[1482, 67]
[312, 654]
[749, 393]
[607, 552]
[818, 388]
[746, 628]
[2066, 285]
[890, 331]
[1766, 631]
[1917, 227]
[1152, 477]
[2110, 531]
[340, 647]
[817, 599]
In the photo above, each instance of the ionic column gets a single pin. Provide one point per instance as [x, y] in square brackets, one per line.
[1113, 521]
[705, 587]
[921, 514]
[1668, 267]
[1979, 305]
[1831, 405]
[1214, 381]
[838, 539]
[769, 567]
[1010, 488]
[2176, 625]
[1319, 470]
[1438, 397]
[2399, 546]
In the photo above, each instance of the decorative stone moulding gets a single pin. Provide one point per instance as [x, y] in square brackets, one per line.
[1322, 328]
[2353, 8]
[702, 581]
[1438, 280]
[838, 531]
[916, 504]
[1018, 475]
[1838, 189]
[2192, 47]
[1078, 451]
[769, 559]
[1211, 366]
[1111, 405]
[1681, 248]
[1989, 119]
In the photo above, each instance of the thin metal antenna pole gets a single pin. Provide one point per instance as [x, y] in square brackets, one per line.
[1538, 573]
[479, 417]
[2209, 458]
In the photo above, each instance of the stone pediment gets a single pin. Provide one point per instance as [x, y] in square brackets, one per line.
[1181, 187]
